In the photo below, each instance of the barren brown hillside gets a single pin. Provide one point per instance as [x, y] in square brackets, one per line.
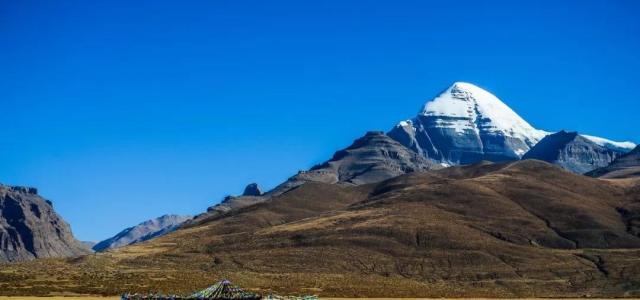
[516, 229]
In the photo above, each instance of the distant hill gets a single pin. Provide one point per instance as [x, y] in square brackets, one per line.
[142, 232]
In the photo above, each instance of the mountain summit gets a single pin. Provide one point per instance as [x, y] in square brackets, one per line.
[464, 107]
[466, 124]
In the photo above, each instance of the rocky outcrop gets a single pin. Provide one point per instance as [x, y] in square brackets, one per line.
[252, 194]
[572, 152]
[625, 166]
[234, 202]
[30, 228]
[142, 232]
[252, 189]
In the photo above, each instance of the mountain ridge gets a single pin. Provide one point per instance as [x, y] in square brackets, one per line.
[144, 231]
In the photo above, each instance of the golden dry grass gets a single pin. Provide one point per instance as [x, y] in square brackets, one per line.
[116, 298]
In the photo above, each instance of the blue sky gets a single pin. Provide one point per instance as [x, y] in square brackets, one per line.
[120, 111]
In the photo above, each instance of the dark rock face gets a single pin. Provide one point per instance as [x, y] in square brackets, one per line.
[252, 190]
[572, 152]
[142, 232]
[30, 228]
[464, 125]
[625, 166]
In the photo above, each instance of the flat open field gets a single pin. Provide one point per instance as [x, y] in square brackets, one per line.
[116, 298]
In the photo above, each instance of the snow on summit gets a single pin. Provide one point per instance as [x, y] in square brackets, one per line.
[465, 124]
[469, 107]
[609, 143]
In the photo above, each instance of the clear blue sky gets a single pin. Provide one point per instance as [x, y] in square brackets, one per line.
[120, 111]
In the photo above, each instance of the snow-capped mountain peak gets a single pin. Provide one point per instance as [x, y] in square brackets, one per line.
[468, 107]
[465, 124]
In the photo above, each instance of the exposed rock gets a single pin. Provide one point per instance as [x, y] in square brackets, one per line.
[142, 232]
[572, 152]
[30, 228]
[252, 190]
[625, 166]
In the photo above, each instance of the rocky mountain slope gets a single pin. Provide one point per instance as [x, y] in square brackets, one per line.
[30, 228]
[463, 125]
[625, 166]
[572, 152]
[142, 232]
[466, 124]
[520, 229]
[371, 158]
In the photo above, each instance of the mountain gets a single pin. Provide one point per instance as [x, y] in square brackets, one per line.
[371, 158]
[517, 229]
[572, 152]
[625, 166]
[466, 124]
[463, 125]
[30, 228]
[142, 232]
